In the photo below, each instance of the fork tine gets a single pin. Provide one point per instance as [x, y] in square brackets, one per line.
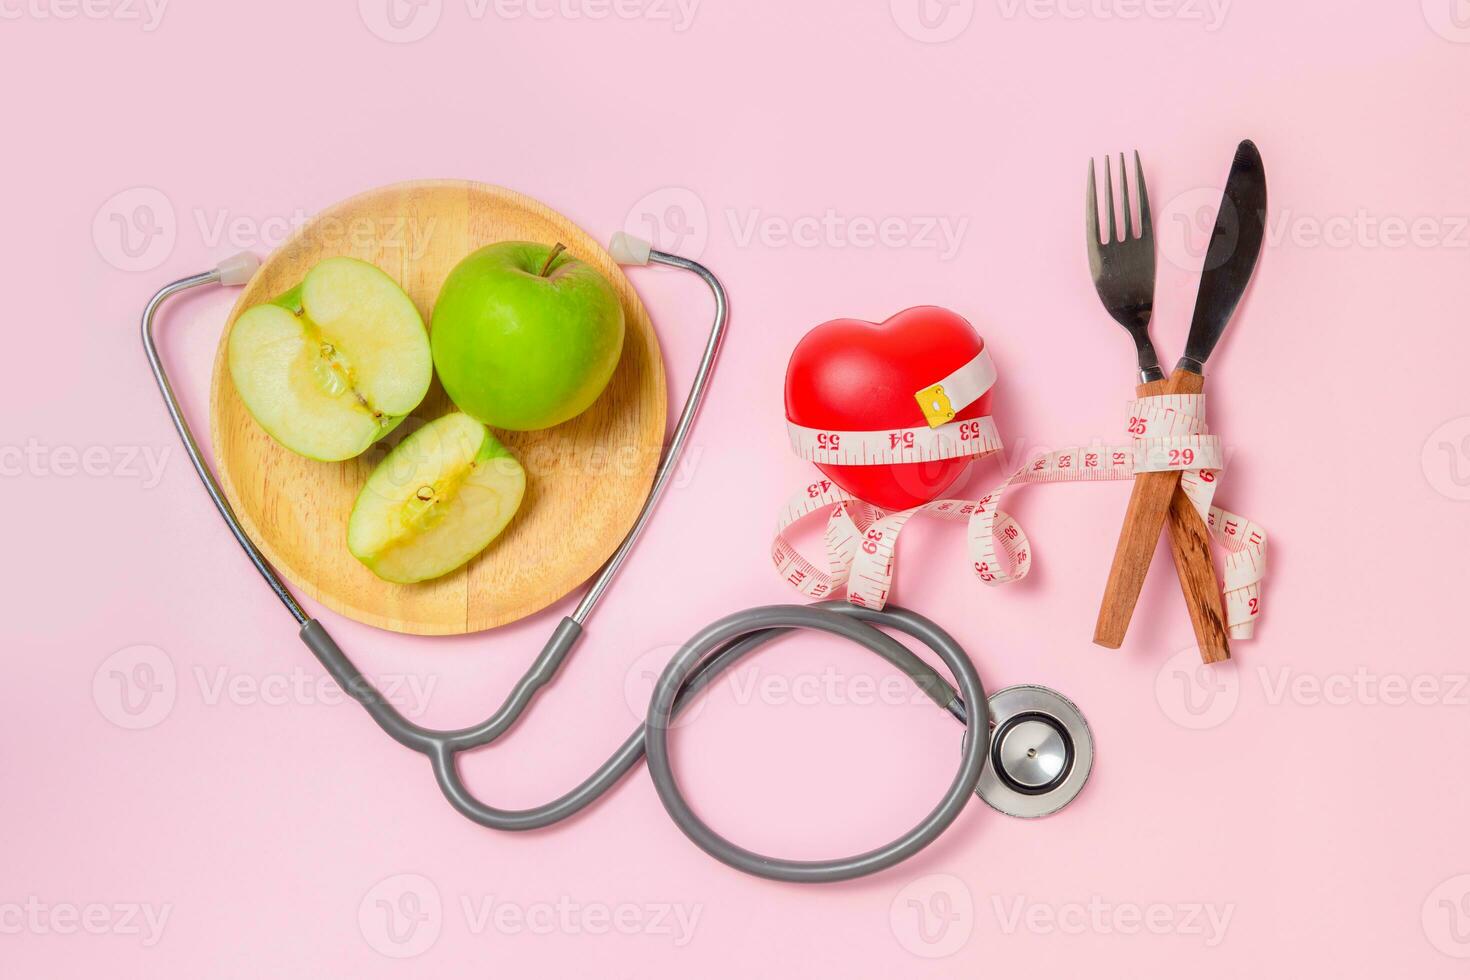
[1092, 233]
[1145, 222]
[1112, 219]
[1127, 208]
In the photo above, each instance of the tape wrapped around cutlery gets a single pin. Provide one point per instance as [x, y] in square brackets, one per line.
[1168, 433]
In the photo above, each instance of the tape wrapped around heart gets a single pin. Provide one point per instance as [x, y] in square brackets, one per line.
[854, 376]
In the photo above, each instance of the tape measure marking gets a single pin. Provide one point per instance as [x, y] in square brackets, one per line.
[887, 447]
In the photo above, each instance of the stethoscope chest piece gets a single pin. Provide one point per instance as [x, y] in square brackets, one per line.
[1040, 752]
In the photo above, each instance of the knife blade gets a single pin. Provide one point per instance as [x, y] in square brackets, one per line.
[1235, 246]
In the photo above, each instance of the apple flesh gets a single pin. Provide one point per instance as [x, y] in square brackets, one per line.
[333, 365]
[525, 336]
[436, 501]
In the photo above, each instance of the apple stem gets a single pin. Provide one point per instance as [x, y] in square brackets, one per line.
[557, 250]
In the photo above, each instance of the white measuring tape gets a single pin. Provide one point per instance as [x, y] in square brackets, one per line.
[1168, 431]
[919, 444]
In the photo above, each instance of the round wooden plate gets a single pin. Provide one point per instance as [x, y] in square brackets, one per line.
[586, 479]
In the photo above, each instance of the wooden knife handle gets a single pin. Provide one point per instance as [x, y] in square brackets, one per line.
[1148, 508]
[1189, 541]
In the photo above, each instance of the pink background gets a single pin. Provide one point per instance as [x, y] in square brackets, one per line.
[1310, 797]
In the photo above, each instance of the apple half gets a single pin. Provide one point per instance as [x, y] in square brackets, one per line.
[332, 366]
[436, 501]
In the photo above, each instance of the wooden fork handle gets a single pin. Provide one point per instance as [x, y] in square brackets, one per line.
[1157, 498]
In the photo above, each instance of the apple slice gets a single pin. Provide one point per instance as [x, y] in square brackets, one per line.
[333, 365]
[435, 501]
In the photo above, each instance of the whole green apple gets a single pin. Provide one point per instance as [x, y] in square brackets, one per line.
[525, 336]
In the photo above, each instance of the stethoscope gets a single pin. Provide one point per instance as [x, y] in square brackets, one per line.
[1027, 755]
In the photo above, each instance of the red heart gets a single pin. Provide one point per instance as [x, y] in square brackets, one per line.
[852, 375]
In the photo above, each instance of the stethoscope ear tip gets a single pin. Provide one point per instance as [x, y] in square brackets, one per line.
[237, 269]
[629, 249]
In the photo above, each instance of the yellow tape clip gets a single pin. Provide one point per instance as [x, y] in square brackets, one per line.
[935, 405]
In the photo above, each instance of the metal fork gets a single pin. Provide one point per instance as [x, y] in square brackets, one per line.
[1123, 266]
